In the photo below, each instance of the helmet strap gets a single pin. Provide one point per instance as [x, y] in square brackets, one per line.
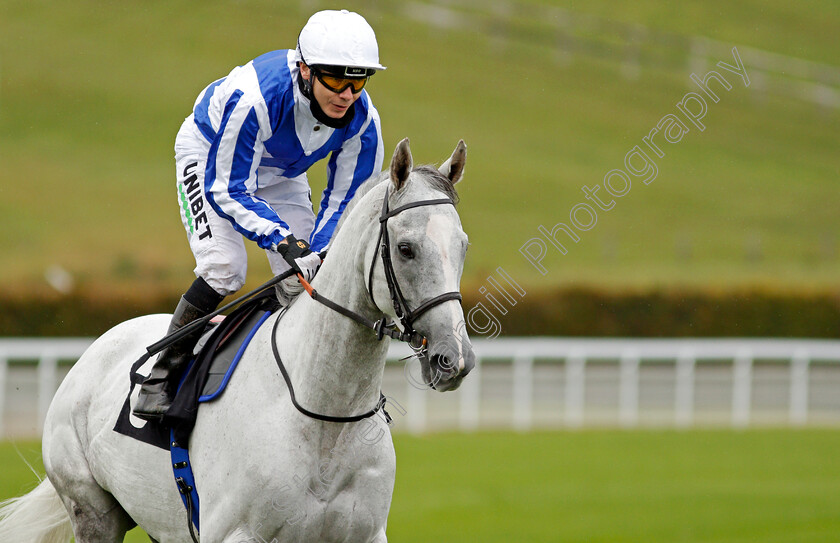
[305, 86]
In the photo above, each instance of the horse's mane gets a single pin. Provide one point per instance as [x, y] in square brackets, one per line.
[430, 174]
[438, 181]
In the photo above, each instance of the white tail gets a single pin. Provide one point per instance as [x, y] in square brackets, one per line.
[37, 517]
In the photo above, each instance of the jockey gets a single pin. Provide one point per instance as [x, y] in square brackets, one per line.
[241, 159]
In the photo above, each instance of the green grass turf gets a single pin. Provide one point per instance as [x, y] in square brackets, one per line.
[709, 486]
[92, 94]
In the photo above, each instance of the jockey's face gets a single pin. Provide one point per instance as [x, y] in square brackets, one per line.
[334, 104]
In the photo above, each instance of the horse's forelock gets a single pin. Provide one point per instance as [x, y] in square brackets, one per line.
[438, 181]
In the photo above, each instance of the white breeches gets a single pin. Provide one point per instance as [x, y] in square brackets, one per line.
[219, 249]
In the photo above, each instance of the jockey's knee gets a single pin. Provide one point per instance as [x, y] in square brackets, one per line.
[224, 279]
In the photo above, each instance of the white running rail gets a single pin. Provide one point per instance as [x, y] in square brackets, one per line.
[528, 383]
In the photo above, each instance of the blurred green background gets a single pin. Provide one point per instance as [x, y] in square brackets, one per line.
[600, 486]
[549, 96]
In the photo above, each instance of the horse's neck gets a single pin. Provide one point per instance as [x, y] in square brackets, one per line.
[335, 364]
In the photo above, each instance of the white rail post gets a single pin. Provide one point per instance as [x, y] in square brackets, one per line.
[799, 387]
[470, 392]
[741, 388]
[522, 391]
[47, 369]
[415, 397]
[4, 364]
[574, 390]
[684, 393]
[628, 392]
[416, 410]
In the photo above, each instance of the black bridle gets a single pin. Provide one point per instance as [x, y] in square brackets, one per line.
[406, 316]
[401, 309]
[382, 327]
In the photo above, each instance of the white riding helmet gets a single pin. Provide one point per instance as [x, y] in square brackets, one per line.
[338, 38]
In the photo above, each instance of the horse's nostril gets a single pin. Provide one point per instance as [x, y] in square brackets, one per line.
[443, 365]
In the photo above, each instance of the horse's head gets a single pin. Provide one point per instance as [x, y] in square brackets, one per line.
[426, 247]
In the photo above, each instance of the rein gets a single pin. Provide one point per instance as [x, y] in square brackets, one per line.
[202, 322]
[380, 405]
[407, 317]
[382, 327]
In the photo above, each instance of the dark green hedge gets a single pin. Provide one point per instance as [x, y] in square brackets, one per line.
[744, 313]
[76, 314]
[562, 312]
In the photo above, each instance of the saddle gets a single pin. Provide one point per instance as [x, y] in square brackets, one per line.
[217, 355]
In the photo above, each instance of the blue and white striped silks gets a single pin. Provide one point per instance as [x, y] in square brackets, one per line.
[261, 132]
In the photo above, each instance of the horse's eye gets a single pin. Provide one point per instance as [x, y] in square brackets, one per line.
[405, 250]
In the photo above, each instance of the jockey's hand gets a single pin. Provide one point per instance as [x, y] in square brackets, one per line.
[297, 254]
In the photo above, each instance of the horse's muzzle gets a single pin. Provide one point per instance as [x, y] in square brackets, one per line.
[447, 368]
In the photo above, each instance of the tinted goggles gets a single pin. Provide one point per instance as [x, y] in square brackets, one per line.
[338, 84]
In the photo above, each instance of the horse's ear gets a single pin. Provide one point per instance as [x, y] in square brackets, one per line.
[401, 164]
[453, 168]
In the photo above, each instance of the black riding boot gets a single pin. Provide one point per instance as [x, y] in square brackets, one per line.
[160, 386]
